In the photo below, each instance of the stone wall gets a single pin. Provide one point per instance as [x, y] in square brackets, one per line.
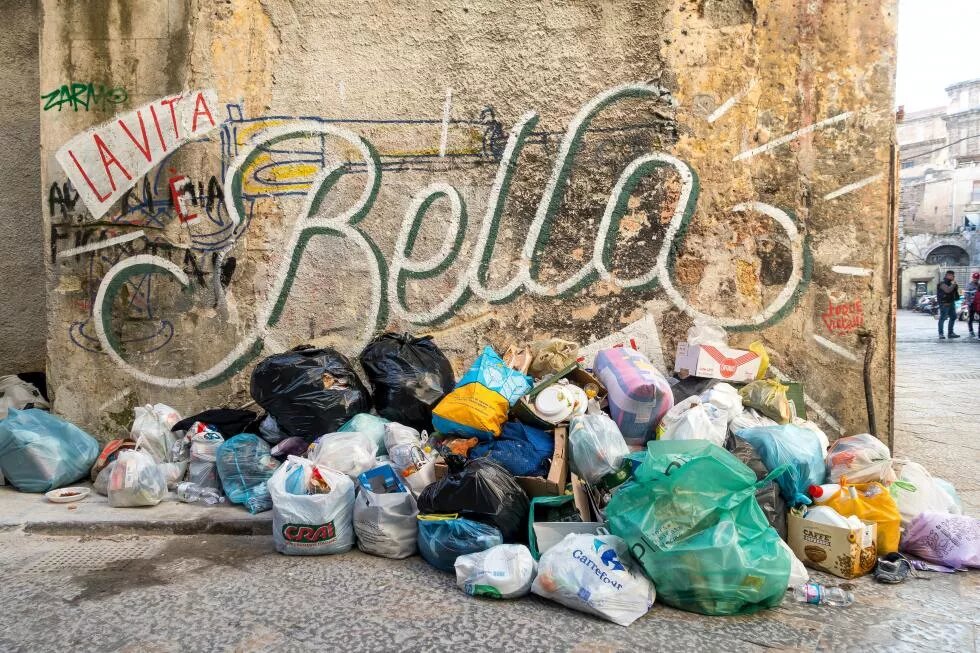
[22, 328]
[248, 175]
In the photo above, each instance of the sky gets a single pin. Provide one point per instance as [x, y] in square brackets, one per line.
[938, 45]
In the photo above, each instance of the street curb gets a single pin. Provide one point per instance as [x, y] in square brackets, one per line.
[175, 527]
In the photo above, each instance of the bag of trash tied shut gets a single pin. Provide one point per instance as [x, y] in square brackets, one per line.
[693, 419]
[482, 490]
[312, 508]
[595, 574]
[350, 453]
[386, 524]
[40, 451]
[136, 480]
[203, 468]
[638, 393]
[151, 430]
[949, 540]
[769, 397]
[370, 425]
[598, 448]
[796, 447]
[479, 404]
[505, 571]
[769, 496]
[870, 502]
[408, 376]
[245, 464]
[309, 391]
[916, 492]
[861, 458]
[691, 519]
[443, 538]
[19, 394]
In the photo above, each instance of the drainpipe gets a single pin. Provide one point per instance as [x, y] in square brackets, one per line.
[868, 339]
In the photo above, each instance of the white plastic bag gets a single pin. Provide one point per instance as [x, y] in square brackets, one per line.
[916, 492]
[749, 419]
[173, 473]
[598, 447]
[19, 394]
[505, 571]
[860, 459]
[136, 480]
[351, 453]
[422, 478]
[797, 572]
[725, 398]
[595, 574]
[311, 524]
[386, 525]
[705, 332]
[399, 434]
[693, 419]
[810, 426]
[151, 430]
[203, 468]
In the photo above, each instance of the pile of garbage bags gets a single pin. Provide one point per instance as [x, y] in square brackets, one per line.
[605, 490]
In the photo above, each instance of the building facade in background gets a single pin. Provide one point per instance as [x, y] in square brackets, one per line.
[939, 205]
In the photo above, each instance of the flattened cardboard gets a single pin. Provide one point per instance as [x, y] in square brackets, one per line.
[839, 551]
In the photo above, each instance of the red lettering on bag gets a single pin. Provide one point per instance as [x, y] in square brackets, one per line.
[308, 534]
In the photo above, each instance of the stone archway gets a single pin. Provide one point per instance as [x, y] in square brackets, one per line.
[948, 254]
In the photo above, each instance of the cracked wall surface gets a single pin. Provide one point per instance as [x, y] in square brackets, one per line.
[251, 175]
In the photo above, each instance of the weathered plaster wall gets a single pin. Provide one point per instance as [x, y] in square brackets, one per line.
[22, 329]
[488, 171]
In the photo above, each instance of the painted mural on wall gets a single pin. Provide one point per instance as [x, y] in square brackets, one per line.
[126, 174]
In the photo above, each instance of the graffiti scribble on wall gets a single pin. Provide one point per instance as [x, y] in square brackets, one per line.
[88, 96]
[843, 318]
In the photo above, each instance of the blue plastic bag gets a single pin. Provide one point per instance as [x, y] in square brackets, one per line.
[245, 463]
[40, 451]
[479, 404]
[797, 447]
[442, 540]
[523, 450]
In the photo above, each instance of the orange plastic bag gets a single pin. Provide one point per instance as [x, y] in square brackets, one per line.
[870, 502]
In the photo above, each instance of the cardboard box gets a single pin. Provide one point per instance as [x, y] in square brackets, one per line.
[545, 534]
[839, 551]
[716, 362]
[536, 486]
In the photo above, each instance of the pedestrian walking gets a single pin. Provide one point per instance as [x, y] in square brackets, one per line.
[947, 294]
[969, 296]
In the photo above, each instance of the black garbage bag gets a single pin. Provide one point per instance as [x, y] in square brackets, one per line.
[229, 422]
[408, 377]
[769, 497]
[481, 490]
[309, 392]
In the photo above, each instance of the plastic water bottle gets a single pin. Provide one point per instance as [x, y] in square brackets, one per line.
[818, 594]
[194, 493]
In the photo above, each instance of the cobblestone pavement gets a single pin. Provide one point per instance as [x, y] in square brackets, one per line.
[217, 593]
[937, 403]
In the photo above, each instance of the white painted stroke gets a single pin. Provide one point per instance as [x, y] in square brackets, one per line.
[729, 103]
[446, 108]
[834, 347]
[102, 244]
[850, 188]
[782, 140]
[122, 394]
[853, 271]
[813, 405]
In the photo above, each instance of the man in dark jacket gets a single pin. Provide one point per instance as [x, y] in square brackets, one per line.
[948, 293]
[971, 292]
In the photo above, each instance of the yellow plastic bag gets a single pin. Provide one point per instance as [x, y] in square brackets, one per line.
[870, 502]
[768, 396]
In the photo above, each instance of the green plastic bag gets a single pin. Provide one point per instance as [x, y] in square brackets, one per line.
[691, 519]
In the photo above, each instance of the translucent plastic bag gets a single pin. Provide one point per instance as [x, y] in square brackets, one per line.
[151, 430]
[691, 519]
[501, 572]
[860, 458]
[799, 449]
[19, 394]
[769, 496]
[638, 393]
[725, 398]
[311, 524]
[203, 468]
[387, 524]
[370, 425]
[692, 419]
[552, 356]
[916, 492]
[479, 404]
[598, 448]
[309, 391]
[870, 502]
[408, 375]
[949, 540]
[706, 333]
[350, 453]
[136, 480]
[595, 574]
[245, 463]
[768, 396]
[40, 451]
[750, 418]
[443, 538]
[101, 483]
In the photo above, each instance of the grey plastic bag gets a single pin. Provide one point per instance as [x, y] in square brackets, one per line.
[386, 524]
